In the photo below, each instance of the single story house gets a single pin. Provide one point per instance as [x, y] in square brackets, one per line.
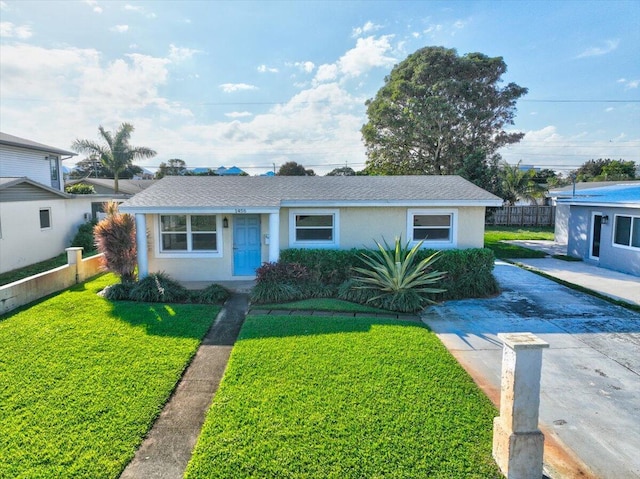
[223, 228]
[561, 231]
[604, 226]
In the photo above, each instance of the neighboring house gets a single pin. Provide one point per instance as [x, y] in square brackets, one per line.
[37, 222]
[42, 163]
[561, 233]
[603, 226]
[233, 171]
[37, 219]
[223, 228]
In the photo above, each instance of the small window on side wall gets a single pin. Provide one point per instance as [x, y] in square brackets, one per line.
[45, 218]
[436, 228]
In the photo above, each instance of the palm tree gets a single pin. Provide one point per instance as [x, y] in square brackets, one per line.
[519, 184]
[115, 153]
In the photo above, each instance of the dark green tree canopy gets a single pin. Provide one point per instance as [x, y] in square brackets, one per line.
[343, 171]
[436, 109]
[606, 170]
[291, 168]
[173, 167]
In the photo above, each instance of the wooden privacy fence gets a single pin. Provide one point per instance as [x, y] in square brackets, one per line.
[522, 216]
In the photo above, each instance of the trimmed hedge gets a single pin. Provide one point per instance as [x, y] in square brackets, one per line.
[469, 274]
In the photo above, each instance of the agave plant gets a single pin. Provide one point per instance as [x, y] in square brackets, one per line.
[401, 280]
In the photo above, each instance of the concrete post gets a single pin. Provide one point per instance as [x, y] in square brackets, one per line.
[74, 260]
[518, 444]
[274, 237]
[141, 245]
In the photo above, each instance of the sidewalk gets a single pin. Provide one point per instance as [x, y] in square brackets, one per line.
[167, 448]
[616, 285]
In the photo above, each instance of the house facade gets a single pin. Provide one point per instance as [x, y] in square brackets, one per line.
[38, 219]
[604, 227]
[223, 228]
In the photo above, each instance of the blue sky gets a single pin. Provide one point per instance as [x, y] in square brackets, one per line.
[256, 84]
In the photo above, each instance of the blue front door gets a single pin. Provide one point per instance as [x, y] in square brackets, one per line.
[246, 245]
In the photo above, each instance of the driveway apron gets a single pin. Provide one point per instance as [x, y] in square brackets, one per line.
[590, 391]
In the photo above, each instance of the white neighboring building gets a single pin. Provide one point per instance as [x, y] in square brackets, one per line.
[37, 218]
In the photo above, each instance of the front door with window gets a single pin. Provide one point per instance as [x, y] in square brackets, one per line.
[246, 245]
[596, 233]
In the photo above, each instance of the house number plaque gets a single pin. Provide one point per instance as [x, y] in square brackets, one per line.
[241, 210]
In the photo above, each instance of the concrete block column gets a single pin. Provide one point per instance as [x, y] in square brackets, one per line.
[74, 260]
[518, 444]
[141, 245]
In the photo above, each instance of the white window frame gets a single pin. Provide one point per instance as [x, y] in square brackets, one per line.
[48, 210]
[189, 252]
[334, 243]
[430, 244]
[613, 233]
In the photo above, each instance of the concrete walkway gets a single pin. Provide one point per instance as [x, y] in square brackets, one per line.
[616, 285]
[590, 398]
[167, 449]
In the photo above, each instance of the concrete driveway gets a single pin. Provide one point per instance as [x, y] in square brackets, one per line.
[590, 398]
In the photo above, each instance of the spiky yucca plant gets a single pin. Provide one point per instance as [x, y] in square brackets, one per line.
[115, 237]
[401, 281]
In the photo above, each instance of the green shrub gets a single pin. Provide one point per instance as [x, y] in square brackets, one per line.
[469, 274]
[213, 294]
[118, 291]
[275, 293]
[327, 266]
[401, 282]
[84, 237]
[80, 189]
[159, 288]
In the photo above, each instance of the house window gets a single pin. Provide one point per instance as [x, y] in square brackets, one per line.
[185, 233]
[434, 227]
[313, 228]
[627, 231]
[45, 218]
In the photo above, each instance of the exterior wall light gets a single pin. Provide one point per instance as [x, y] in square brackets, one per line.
[225, 222]
[605, 220]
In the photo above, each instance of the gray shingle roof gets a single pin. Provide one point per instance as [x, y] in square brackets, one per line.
[181, 192]
[10, 140]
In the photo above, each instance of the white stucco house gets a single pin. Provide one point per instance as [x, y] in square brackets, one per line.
[603, 226]
[37, 218]
[223, 228]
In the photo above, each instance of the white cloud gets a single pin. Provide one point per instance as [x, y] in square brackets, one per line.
[629, 84]
[608, 47]
[306, 67]
[94, 4]
[368, 53]
[433, 29]
[3, 5]
[178, 54]
[232, 87]
[139, 9]
[327, 72]
[9, 30]
[366, 28]
[238, 114]
[120, 28]
[266, 69]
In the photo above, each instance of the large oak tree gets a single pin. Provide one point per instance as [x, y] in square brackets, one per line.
[437, 109]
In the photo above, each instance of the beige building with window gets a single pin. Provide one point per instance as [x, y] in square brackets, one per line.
[223, 228]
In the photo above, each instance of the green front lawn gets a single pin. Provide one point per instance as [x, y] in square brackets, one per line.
[495, 235]
[337, 397]
[82, 379]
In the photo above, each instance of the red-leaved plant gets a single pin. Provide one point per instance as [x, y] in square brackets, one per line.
[115, 238]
